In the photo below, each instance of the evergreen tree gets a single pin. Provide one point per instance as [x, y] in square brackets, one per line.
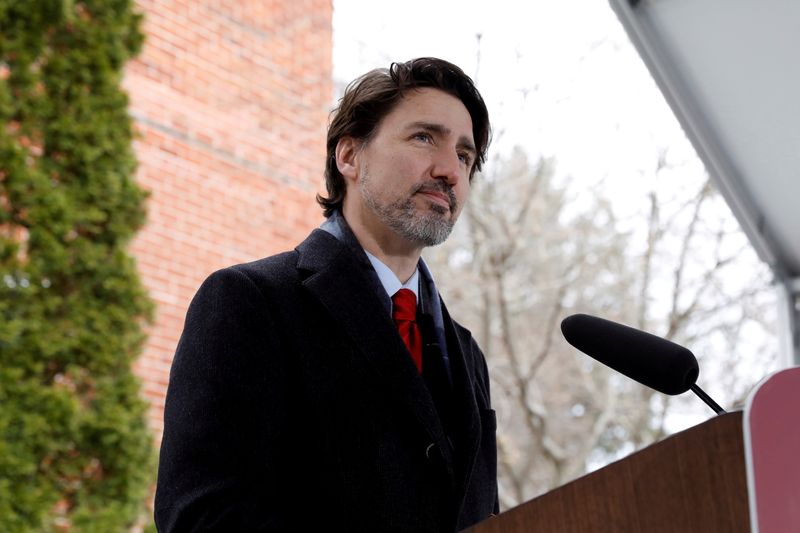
[75, 452]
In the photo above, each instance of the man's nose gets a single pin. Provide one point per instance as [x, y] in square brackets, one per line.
[448, 166]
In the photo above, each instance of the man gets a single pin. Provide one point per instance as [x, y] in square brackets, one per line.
[327, 388]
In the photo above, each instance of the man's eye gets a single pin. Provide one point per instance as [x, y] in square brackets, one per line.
[423, 136]
[465, 158]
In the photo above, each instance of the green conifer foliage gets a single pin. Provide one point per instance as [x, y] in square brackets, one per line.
[75, 452]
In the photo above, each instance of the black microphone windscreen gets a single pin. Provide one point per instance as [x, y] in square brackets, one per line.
[648, 359]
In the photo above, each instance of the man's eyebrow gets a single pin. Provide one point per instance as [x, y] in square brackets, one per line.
[464, 142]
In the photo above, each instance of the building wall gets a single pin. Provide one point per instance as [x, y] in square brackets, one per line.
[230, 100]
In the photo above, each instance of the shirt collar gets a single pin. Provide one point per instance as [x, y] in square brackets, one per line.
[391, 283]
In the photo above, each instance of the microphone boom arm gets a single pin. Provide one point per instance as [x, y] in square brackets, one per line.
[706, 398]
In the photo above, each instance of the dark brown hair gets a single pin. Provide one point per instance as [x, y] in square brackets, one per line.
[368, 99]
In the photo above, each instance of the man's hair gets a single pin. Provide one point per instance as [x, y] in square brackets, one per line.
[368, 99]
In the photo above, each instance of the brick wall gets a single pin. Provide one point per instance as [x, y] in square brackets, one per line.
[230, 100]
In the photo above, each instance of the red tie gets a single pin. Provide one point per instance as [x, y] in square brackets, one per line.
[404, 313]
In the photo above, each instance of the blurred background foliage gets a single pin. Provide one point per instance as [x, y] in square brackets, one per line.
[75, 451]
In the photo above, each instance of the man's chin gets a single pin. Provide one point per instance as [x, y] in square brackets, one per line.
[430, 230]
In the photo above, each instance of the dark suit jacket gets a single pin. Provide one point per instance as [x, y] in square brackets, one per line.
[293, 405]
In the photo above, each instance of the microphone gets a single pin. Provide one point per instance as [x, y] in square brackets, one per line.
[652, 361]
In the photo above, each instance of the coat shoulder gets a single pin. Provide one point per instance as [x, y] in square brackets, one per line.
[243, 282]
[275, 270]
[285, 268]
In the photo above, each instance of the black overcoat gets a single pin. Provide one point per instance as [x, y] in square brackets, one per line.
[293, 405]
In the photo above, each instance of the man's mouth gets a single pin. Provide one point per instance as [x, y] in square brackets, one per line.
[440, 197]
[437, 198]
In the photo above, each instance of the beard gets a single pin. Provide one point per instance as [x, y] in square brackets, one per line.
[427, 227]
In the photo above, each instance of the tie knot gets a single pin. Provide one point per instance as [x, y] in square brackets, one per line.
[404, 305]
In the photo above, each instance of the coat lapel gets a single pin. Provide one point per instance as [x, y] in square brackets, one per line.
[346, 285]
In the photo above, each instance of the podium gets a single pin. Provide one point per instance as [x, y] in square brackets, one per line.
[704, 479]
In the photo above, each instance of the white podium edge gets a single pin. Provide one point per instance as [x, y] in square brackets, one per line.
[748, 449]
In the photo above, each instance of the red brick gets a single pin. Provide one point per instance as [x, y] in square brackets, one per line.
[230, 100]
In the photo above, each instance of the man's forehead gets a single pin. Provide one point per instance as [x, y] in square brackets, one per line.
[442, 111]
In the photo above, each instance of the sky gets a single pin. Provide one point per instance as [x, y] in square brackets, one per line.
[560, 79]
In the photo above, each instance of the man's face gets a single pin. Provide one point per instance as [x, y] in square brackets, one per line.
[412, 177]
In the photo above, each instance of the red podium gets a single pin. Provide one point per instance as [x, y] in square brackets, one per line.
[693, 481]
[772, 452]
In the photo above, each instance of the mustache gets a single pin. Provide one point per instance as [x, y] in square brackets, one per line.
[438, 186]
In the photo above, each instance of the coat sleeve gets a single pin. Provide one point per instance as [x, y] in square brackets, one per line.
[227, 406]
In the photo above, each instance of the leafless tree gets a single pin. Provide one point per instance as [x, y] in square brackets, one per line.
[532, 250]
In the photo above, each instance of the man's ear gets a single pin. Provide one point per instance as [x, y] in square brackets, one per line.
[347, 157]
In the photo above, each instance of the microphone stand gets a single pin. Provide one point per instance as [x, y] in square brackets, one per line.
[706, 398]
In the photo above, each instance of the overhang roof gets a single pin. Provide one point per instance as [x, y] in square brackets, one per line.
[730, 70]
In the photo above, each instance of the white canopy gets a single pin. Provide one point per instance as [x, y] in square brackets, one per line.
[730, 70]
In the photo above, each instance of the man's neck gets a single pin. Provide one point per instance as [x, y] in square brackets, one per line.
[395, 252]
